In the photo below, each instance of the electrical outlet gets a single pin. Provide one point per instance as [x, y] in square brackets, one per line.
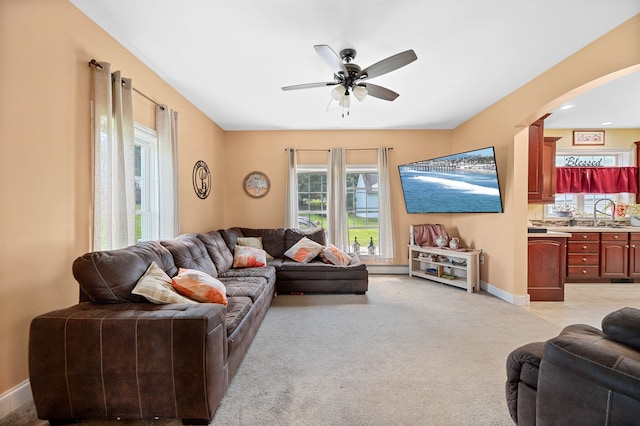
[481, 259]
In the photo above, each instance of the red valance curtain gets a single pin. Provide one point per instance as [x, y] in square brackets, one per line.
[596, 180]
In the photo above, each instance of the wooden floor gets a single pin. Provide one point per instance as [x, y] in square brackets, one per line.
[587, 303]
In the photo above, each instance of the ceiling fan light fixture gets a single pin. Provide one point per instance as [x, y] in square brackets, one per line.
[360, 92]
[337, 92]
[345, 101]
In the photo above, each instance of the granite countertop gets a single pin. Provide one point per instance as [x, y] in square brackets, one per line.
[549, 233]
[567, 230]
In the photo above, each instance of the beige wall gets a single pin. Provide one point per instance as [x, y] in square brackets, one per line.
[265, 151]
[504, 237]
[45, 174]
[45, 46]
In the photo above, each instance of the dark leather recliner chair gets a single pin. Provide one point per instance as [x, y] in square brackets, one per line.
[584, 376]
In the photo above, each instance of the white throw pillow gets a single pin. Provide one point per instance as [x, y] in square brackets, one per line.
[155, 286]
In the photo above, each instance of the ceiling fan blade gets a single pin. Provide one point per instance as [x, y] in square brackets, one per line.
[379, 92]
[389, 64]
[309, 85]
[331, 58]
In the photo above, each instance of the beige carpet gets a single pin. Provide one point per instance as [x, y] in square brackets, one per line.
[409, 352]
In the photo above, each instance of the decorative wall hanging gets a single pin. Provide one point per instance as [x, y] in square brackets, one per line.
[256, 184]
[588, 137]
[201, 179]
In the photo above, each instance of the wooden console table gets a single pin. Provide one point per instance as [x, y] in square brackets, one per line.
[463, 272]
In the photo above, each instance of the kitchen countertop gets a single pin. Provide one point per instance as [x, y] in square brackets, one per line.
[549, 233]
[567, 230]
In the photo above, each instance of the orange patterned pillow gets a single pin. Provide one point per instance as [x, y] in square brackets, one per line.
[200, 286]
[255, 242]
[304, 250]
[336, 256]
[248, 257]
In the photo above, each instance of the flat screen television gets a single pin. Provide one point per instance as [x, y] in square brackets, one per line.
[459, 183]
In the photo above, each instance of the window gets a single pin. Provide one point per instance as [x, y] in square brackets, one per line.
[146, 183]
[583, 203]
[362, 202]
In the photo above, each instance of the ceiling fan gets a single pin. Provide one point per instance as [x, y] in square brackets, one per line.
[349, 78]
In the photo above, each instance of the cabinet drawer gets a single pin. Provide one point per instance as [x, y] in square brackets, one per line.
[586, 247]
[584, 259]
[583, 271]
[585, 236]
[615, 236]
[634, 236]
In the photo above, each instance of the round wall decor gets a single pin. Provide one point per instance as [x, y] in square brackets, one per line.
[201, 179]
[256, 184]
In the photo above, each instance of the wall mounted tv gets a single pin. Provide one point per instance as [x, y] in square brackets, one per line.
[459, 183]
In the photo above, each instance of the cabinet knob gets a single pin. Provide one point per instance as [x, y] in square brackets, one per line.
[584, 271]
[584, 259]
[584, 247]
[615, 237]
[584, 237]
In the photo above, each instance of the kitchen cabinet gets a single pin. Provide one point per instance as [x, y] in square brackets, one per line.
[546, 268]
[542, 165]
[583, 255]
[634, 255]
[614, 255]
[602, 256]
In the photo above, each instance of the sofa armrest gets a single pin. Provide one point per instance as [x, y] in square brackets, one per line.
[523, 365]
[584, 375]
[131, 360]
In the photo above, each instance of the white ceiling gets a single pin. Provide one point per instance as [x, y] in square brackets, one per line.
[230, 58]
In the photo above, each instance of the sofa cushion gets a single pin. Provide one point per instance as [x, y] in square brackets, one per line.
[155, 286]
[248, 257]
[272, 239]
[109, 276]
[199, 286]
[218, 251]
[190, 253]
[251, 287]
[266, 272]
[231, 236]
[293, 235]
[304, 250]
[237, 309]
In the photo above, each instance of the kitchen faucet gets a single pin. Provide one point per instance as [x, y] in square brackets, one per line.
[595, 210]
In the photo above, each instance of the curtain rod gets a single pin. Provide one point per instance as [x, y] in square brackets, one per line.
[348, 149]
[97, 65]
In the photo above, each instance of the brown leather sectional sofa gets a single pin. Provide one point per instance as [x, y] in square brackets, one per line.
[117, 355]
[584, 376]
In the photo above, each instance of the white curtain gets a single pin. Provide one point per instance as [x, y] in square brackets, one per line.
[167, 130]
[113, 159]
[385, 221]
[291, 206]
[337, 225]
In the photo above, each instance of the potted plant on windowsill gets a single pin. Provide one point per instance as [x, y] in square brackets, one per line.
[564, 210]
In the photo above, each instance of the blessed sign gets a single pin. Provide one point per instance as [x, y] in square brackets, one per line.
[579, 162]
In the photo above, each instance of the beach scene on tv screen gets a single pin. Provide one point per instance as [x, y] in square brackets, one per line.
[458, 183]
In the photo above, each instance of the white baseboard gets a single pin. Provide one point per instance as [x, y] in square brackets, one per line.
[15, 398]
[514, 299]
[388, 269]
